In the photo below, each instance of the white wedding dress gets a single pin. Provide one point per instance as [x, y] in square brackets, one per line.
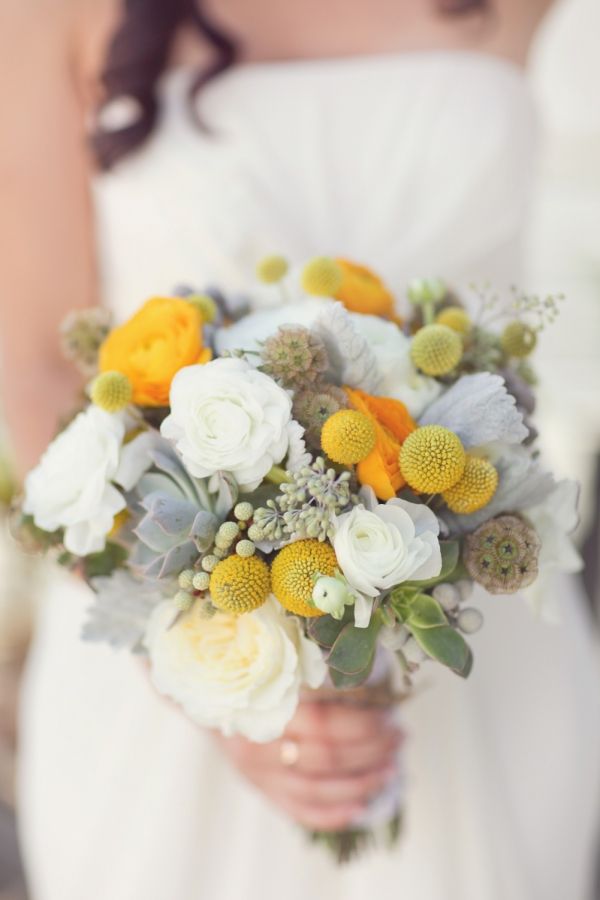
[412, 164]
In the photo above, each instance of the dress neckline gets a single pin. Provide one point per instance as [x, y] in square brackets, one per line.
[358, 63]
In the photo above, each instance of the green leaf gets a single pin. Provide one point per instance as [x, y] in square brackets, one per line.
[325, 629]
[445, 645]
[425, 612]
[104, 563]
[343, 681]
[450, 554]
[354, 649]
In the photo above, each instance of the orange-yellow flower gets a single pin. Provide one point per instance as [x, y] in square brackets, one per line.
[393, 424]
[162, 337]
[362, 291]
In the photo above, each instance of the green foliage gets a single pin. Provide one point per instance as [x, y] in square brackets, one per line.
[352, 654]
[325, 629]
[33, 539]
[104, 563]
[427, 622]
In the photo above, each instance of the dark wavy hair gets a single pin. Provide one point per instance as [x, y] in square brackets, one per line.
[139, 53]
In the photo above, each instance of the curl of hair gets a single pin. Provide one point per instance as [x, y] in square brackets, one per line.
[139, 53]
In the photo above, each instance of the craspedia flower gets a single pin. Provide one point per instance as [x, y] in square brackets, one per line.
[312, 408]
[518, 339]
[502, 554]
[322, 276]
[272, 269]
[436, 349]
[206, 306]
[456, 318]
[111, 391]
[294, 356]
[240, 584]
[348, 437]
[293, 574]
[474, 489]
[362, 291]
[432, 459]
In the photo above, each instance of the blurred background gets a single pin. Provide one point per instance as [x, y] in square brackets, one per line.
[564, 255]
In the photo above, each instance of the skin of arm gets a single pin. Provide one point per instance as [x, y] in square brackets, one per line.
[46, 242]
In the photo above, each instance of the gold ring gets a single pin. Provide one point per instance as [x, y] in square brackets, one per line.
[289, 753]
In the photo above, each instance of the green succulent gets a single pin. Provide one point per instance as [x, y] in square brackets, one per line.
[179, 521]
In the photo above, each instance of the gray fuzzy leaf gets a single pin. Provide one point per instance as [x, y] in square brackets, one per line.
[478, 409]
[352, 360]
[120, 610]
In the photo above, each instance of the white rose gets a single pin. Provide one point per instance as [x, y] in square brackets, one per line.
[71, 487]
[381, 547]
[399, 377]
[241, 674]
[228, 417]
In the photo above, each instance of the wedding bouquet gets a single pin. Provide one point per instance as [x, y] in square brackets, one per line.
[259, 500]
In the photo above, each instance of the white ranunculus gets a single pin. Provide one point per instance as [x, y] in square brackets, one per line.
[72, 485]
[228, 417]
[240, 674]
[385, 545]
[399, 377]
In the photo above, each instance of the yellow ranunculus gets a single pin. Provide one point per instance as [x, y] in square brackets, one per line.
[362, 291]
[160, 339]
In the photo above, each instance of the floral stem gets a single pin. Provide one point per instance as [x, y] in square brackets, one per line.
[428, 307]
[277, 475]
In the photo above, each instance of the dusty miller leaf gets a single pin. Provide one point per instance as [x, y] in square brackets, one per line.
[479, 409]
[352, 358]
[120, 610]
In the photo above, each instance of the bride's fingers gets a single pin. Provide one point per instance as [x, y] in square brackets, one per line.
[338, 722]
[320, 818]
[316, 757]
[315, 790]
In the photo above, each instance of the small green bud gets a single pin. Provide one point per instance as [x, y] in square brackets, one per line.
[245, 548]
[426, 290]
[201, 581]
[183, 600]
[243, 511]
[209, 562]
[227, 533]
[186, 579]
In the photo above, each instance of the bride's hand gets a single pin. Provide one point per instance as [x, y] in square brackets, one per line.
[331, 761]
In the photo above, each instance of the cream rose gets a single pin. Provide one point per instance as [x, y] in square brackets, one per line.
[73, 487]
[383, 546]
[226, 416]
[240, 674]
